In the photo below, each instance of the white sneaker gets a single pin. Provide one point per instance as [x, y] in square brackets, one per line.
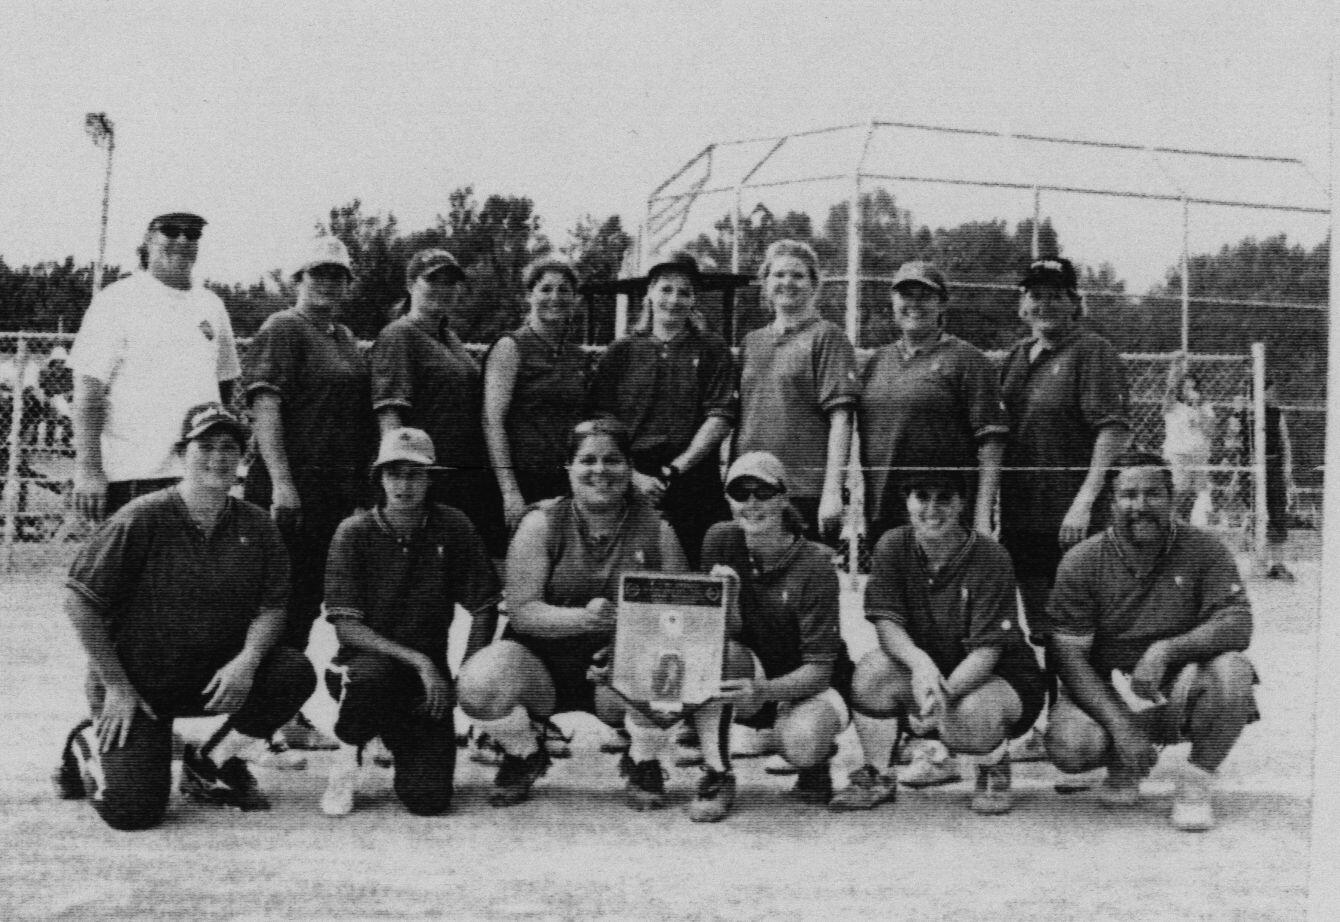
[338, 800]
[777, 765]
[748, 743]
[932, 765]
[1192, 810]
[278, 757]
[377, 753]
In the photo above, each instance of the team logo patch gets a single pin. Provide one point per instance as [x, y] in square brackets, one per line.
[1179, 580]
[640, 558]
[207, 330]
[244, 540]
[1234, 589]
[1006, 624]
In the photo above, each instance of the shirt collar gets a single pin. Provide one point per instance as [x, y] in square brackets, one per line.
[1059, 346]
[1126, 555]
[908, 351]
[179, 502]
[379, 516]
[785, 560]
[953, 564]
[806, 321]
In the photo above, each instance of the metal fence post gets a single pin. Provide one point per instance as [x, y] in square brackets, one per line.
[1259, 452]
[13, 488]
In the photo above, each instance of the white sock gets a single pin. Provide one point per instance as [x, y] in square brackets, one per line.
[646, 741]
[993, 757]
[713, 724]
[513, 732]
[878, 736]
[232, 745]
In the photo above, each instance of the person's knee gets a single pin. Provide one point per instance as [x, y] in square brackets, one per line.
[610, 707]
[808, 734]
[874, 685]
[976, 725]
[130, 810]
[1075, 742]
[486, 689]
[288, 676]
[1226, 685]
[427, 800]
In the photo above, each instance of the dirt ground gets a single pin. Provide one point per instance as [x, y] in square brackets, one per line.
[577, 852]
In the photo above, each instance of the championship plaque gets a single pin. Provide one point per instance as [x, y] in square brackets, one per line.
[669, 639]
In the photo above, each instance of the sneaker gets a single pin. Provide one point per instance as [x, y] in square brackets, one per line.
[341, 789]
[617, 743]
[68, 778]
[687, 756]
[714, 797]
[1192, 809]
[485, 750]
[279, 757]
[868, 789]
[1120, 788]
[932, 765]
[993, 795]
[375, 751]
[814, 785]
[646, 783]
[299, 733]
[749, 743]
[228, 785]
[556, 743]
[1281, 572]
[778, 765]
[516, 775]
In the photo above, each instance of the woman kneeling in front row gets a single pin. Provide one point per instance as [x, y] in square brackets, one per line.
[952, 660]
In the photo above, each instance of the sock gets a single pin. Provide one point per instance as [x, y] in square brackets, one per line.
[994, 757]
[646, 741]
[878, 735]
[227, 743]
[713, 722]
[513, 732]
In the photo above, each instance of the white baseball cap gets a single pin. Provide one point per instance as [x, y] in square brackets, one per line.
[325, 251]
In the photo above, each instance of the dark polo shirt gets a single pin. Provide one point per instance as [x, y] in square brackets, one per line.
[436, 385]
[1099, 593]
[1057, 403]
[322, 379]
[969, 603]
[790, 612]
[547, 401]
[924, 409]
[407, 590]
[789, 383]
[664, 391]
[179, 602]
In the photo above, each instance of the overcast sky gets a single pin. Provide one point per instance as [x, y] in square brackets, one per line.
[265, 115]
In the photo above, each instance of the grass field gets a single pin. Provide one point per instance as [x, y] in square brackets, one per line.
[576, 852]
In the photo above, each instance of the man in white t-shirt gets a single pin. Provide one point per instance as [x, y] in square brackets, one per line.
[150, 347]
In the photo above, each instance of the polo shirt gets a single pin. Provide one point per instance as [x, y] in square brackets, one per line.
[322, 380]
[407, 589]
[665, 390]
[179, 601]
[1057, 403]
[1099, 593]
[789, 383]
[547, 400]
[789, 612]
[159, 351]
[436, 385]
[924, 409]
[969, 603]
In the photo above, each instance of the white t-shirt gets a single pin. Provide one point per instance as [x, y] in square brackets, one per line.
[1187, 429]
[160, 351]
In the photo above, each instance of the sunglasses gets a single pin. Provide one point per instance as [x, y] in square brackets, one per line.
[741, 491]
[173, 231]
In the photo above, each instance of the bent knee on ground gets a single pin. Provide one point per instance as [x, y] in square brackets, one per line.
[129, 813]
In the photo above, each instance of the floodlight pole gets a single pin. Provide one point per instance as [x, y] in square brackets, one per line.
[101, 129]
[1186, 277]
[1037, 223]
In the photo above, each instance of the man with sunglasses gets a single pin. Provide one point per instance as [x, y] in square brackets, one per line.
[150, 347]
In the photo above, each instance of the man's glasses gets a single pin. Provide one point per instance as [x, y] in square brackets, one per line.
[173, 231]
[740, 491]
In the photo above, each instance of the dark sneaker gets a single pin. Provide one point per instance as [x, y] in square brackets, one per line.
[228, 785]
[68, 778]
[993, 795]
[868, 789]
[516, 776]
[814, 785]
[714, 798]
[646, 783]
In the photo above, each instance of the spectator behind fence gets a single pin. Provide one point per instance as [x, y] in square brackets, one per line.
[149, 347]
[798, 388]
[534, 392]
[1188, 429]
[307, 383]
[929, 401]
[672, 382]
[423, 376]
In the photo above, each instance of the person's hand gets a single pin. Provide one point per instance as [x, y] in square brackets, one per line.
[830, 513]
[230, 686]
[1075, 525]
[929, 692]
[721, 569]
[601, 668]
[600, 616]
[437, 694]
[748, 695]
[285, 506]
[90, 494]
[514, 507]
[1149, 673]
[982, 523]
[119, 709]
[653, 488]
[1133, 749]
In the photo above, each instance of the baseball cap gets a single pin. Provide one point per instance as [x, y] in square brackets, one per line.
[325, 251]
[677, 262]
[203, 417]
[761, 466]
[430, 260]
[406, 444]
[173, 211]
[1055, 270]
[922, 272]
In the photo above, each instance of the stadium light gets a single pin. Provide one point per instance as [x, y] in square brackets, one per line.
[103, 133]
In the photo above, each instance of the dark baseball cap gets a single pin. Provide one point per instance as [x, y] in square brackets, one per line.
[203, 417]
[1054, 270]
[678, 262]
[922, 272]
[427, 261]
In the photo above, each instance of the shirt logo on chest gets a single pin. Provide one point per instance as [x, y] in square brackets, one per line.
[640, 558]
[207, 330]
[1177, 578]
